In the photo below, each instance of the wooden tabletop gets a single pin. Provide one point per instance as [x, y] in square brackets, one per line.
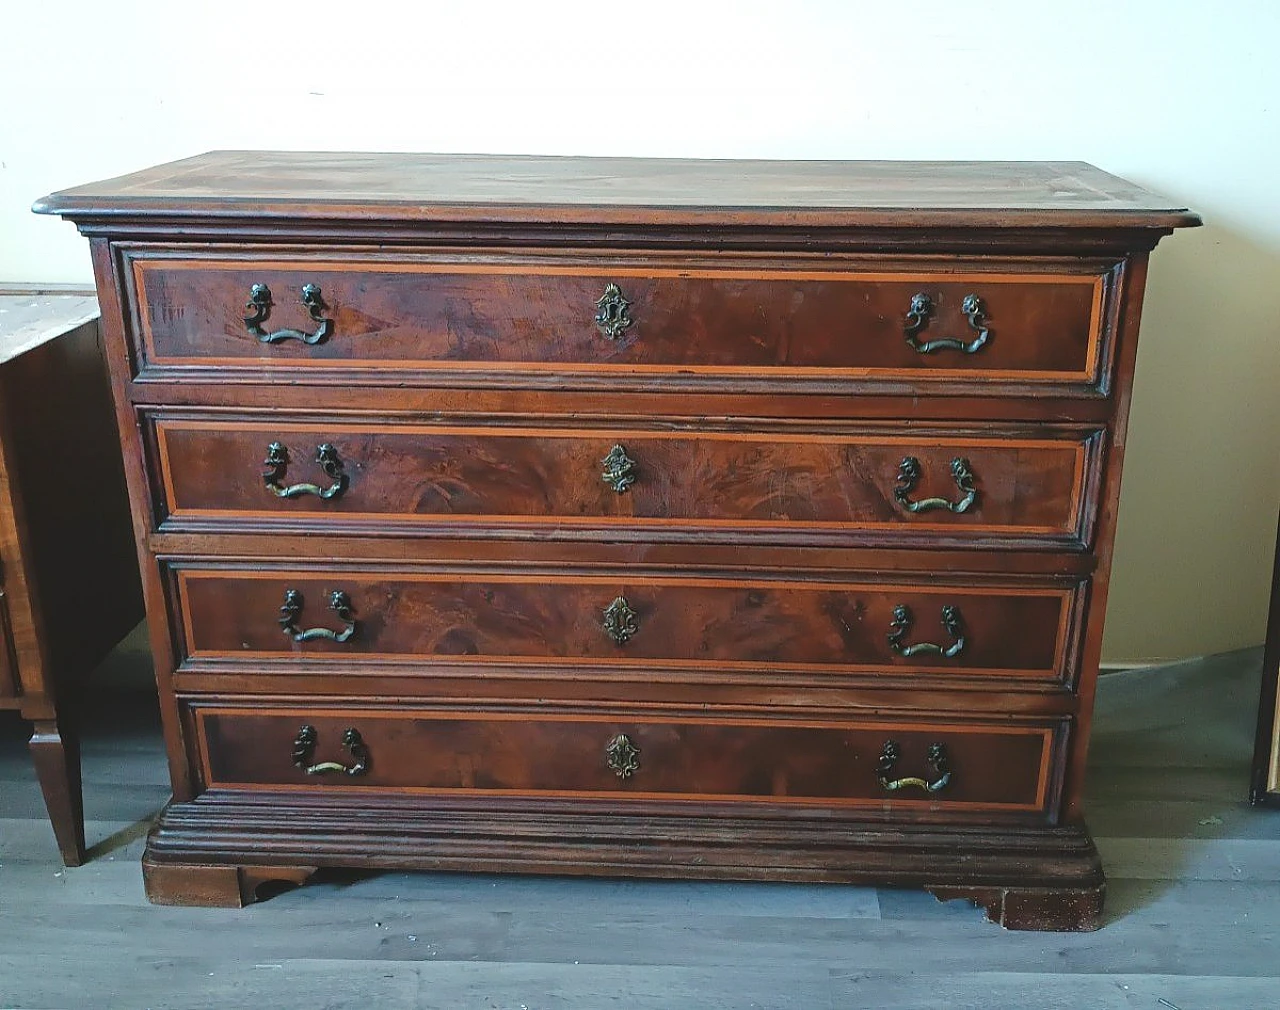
[530, 189]
[29, 319]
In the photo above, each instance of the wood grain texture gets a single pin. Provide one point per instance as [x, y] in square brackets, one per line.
[731, 484]
[416, 751]
[501, 317]
[503, 314]
[55, 752]
[491, 188]
[734, 622]
[766, 378]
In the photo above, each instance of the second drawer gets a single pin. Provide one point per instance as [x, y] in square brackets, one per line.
[551, 620]
[882, 484]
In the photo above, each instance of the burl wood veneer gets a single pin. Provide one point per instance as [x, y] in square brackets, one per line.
[736, 520]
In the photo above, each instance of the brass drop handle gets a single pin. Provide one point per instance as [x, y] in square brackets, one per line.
[259, 306]
[622, 756]
[304, 752]
[291, 610]
[918, 318]
[909, 473]
[619, 469]
[938, 763]
[620, 621]
[612, 318]
[901, 624]
[277, 463]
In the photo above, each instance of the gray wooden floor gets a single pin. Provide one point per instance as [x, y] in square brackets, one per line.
[1193, 906]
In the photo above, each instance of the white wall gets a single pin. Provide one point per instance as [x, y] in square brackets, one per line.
[1178, 96]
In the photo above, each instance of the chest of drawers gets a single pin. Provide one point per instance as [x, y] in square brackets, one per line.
[729, 520]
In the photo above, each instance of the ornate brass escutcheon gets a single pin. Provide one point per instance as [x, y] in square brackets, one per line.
[612, 319]
[259, 306]
[277, 462]
[918, 318]
[939, 769]
[622, 756]
[291, 610]
[619, 469]
[909, 473]
[620, 621]
[304, 751]
[901, 624]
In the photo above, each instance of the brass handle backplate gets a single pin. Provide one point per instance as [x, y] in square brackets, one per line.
[291, 610]
[612, 318]
[277, 463]
[259, 306]
[909, 472]
[304, 752]
[939, 769]
[620, 621]
[918, 318]
[901, 624]
[619, 469]
[622, 756]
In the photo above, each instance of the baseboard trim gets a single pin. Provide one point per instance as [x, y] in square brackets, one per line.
[1121, 666]
[1145, 664]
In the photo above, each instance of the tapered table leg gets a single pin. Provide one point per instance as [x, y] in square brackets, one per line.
[56, 754]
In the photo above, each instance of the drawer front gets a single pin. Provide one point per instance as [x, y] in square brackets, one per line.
[507, 320]
[559, 621]
[1028, 485]
[996, 766]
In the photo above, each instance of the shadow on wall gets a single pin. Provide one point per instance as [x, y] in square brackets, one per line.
[1202, 468]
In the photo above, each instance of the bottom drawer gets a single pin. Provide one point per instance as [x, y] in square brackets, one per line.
[998, 766]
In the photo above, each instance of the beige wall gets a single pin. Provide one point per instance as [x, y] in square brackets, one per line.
[1179, 96]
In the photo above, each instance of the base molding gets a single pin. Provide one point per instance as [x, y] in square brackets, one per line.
[221, 848]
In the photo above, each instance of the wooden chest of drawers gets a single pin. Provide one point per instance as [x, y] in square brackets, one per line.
[732, 520]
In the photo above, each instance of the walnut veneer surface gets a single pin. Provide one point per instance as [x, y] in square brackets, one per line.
[659, 518]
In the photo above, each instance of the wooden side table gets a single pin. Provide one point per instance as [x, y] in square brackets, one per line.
[69, 586]
[1266, 758]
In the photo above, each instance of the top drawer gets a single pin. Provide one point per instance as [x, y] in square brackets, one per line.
[626, 324]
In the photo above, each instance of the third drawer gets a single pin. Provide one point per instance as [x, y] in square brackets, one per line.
[424, 620]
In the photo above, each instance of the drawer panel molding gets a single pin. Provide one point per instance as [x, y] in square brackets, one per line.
[988, 766]
[915, 624]
[639, 324]
[895, 485]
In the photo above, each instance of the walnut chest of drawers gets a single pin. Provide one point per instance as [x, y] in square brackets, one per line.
[743, 520]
